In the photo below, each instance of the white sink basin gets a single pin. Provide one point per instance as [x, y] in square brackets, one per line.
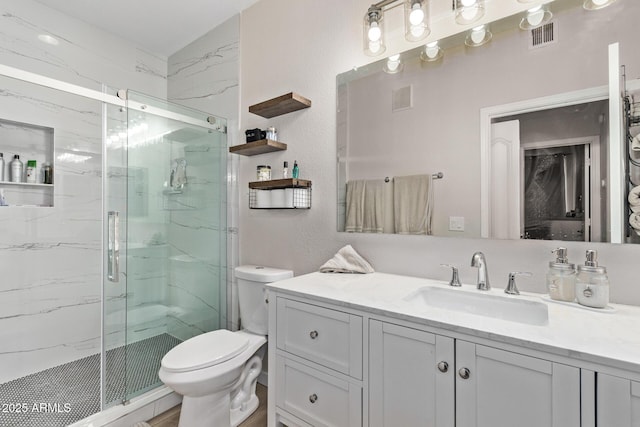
[481, 303]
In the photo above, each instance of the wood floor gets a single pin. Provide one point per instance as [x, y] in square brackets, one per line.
[257, 419]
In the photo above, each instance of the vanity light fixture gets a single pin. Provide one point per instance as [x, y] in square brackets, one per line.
[597, 4]
[535, 17]
[468, 11]
[393, 65]
[374, 31]
[431, 52]
[478, 36]
[416, 19]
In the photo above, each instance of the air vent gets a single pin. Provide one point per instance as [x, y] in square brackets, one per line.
[401, 99]
[543, 35]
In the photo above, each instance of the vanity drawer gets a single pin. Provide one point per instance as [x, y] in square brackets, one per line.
[328, 337]
[315, 397]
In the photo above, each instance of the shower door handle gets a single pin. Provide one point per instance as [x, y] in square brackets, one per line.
[114, 247]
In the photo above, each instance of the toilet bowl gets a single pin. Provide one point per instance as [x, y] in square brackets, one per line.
[216, 372]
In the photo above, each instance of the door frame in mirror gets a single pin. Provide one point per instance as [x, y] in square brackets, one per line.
[488, 114]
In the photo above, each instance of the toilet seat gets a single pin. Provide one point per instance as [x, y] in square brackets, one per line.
[205, 350]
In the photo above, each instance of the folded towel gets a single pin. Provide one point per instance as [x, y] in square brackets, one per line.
[635, 143]
[373, 218]
[413, 204]
[347, 260]
[355, 206]
[634, 221]
[634, 199]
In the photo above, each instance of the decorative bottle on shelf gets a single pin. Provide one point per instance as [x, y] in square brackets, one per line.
[1, 166]
[592, 283]
[295, 172]
[285, 170]
[16, 169]
[561, 277]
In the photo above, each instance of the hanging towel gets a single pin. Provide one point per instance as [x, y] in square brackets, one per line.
[373, 217]
[413, 204]
[355, 206]
[347, 260]
[634, 222]
[634, 199]
[635, 143]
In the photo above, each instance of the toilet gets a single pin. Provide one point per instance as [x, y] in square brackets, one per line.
[216, 372]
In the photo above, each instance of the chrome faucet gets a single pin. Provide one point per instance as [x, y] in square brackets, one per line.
[478, 261]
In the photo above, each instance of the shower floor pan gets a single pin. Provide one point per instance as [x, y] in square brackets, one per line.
[64, 394]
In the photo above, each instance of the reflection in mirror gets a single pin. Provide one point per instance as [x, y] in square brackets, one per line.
[545, 91]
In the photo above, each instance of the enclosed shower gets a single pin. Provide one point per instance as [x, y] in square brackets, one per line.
[118, 260]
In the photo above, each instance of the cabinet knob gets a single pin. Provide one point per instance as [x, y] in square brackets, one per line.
[443, 366]
[313, 398]
[313, 335]
[464, 373]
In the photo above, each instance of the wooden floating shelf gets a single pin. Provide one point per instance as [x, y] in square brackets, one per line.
[281, 105]
[275, 184]
[258, 147]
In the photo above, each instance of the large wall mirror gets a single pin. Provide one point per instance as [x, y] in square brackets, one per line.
[529, 136]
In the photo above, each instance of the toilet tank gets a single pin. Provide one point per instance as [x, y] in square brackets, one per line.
[252, 295]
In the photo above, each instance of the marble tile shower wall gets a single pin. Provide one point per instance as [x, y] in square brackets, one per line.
[50, 295]
[204, 75]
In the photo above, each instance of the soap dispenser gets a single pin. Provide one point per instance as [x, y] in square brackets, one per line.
[592, 283]
[561, 277]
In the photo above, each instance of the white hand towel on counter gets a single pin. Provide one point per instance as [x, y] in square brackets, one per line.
[355, 206]
[347, 260]
[413, 204]
[373, 218]
[634, 199]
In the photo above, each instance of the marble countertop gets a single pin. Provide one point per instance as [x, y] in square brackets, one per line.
[610, 337]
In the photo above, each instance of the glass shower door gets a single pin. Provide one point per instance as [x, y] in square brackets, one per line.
[172, 235]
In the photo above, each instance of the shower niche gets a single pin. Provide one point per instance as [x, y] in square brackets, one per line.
[30, 142]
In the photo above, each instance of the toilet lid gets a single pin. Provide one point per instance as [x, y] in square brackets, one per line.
[205, 350]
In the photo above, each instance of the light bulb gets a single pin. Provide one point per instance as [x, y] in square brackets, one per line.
[599, 2]
[432, 49]
[374, 33]
[392, 65]
[394, 58]
[469, 14]
[374, 47]
[416, 17]
[477, 34]
[467, 3]
[416, 31]
[535, 16]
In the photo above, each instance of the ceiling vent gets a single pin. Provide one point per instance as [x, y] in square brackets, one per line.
[543, 35]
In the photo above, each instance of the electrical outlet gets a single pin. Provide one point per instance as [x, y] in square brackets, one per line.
[456, 223]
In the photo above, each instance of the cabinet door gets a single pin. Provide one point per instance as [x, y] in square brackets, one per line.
[406, 385]
[618, 402]
[496, 388]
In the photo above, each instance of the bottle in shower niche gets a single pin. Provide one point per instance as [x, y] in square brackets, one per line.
[561, 277]
[15, 168]
[592, 283]
[32, 172]
[1, 166]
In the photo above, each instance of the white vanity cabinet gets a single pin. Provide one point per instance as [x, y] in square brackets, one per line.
[318, 365]
[618, 401]
[497, 388]
[419, 378]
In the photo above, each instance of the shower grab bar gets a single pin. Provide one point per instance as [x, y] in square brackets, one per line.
[114, 247]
